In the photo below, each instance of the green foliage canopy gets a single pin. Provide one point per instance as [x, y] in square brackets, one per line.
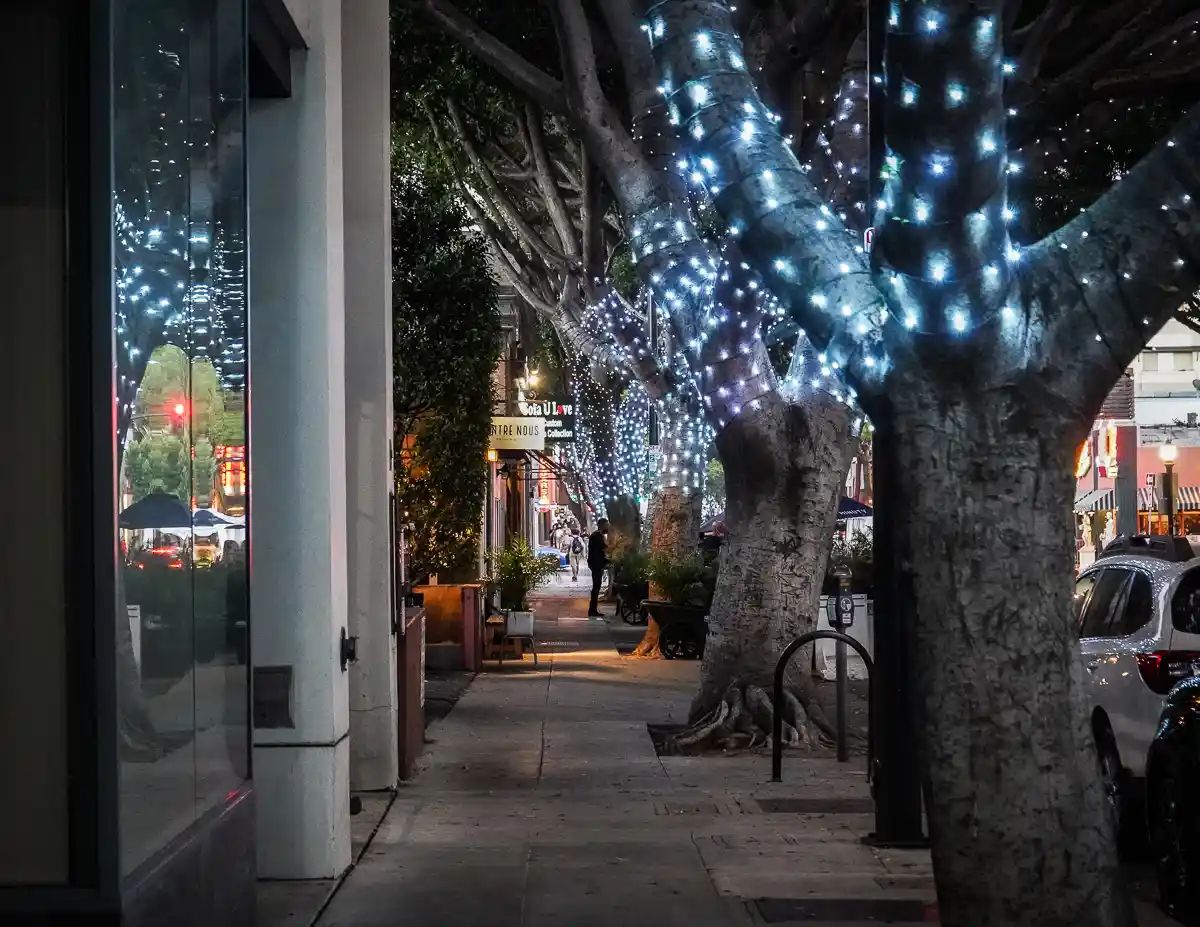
[446, 333]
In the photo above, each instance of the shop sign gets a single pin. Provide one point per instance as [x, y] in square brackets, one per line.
[558, 416]
[517, 433]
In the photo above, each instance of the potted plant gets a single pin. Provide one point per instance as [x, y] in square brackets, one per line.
[514, 571]
[686, 584]
[631, 582]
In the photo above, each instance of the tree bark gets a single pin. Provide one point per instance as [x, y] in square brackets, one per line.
[624, 520]
[674, 530]
[784, 465]
[984, 544]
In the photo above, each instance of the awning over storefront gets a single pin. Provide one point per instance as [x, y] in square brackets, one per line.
[1096, 500]
[1187, 499]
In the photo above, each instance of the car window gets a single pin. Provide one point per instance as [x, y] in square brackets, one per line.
[1185, 604]
[1138, 609]
[1097, 617]
[1083, 586]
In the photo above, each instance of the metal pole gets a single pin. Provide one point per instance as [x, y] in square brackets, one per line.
[896, 782]
[843, 751]
[1169, 497]
[841, 621]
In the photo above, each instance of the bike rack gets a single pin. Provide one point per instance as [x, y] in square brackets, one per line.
[777, 698]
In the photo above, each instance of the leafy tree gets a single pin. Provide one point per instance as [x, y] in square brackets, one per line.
[785, 444]
[981, 364]
[159, 462]
[714, 489]
[446, 334]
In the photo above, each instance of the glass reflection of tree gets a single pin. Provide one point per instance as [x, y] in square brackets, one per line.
[179, 269]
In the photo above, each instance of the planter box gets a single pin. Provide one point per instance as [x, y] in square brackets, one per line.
[454, 625]
[684, 629]
[666, 613]
[410, 682]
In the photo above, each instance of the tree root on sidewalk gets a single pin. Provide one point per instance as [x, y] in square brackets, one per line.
[744, 717]
[647, 648]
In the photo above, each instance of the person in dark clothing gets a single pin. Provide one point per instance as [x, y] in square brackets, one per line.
[597, 560]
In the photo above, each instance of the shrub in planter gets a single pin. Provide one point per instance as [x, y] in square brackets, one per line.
[858, 553]
[631, 567]
[514, 571]
[684, 580]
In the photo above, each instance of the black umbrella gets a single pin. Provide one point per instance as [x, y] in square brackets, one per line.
[207, 518]
[157, 510]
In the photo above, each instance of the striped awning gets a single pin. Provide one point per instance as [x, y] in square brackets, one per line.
[1096, 500]
[1187, 499]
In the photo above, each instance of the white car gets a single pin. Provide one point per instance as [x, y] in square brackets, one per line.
[1138, 608]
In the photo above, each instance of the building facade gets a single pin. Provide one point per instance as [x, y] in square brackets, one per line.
[199, 583]
[1121, 474]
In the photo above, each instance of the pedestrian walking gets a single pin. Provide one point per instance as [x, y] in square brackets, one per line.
[575, 553]
[597, 560]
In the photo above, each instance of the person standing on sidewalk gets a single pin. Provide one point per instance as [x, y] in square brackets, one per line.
[575, 553]
[597, 560]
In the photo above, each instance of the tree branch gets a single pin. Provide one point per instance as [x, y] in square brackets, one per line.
[1044, 29]
[500, 200]
[529, 81]
[1105, 283]
[544, 176]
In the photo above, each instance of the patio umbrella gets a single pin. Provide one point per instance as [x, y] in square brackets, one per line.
[207, 518]
[157, 510]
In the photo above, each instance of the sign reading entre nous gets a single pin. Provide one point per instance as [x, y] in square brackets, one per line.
[517, 433]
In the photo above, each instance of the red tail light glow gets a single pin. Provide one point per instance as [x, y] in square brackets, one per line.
[1163, 668]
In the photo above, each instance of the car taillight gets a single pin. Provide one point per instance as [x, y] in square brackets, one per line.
[1163, 668]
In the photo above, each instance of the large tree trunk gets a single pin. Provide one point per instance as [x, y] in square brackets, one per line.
[983, 545]
[624, 520]
[784, 466]
[675, 522]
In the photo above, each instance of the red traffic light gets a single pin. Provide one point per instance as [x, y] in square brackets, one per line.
[180, 408]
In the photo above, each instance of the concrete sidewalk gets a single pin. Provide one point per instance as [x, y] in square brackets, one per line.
[542, 803]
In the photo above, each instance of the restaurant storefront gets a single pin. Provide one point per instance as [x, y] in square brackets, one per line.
[1124, 453]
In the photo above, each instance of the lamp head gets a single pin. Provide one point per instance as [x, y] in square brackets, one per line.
[1169, 453]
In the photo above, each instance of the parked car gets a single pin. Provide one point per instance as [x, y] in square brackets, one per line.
[1139, 630]
[1173, 802]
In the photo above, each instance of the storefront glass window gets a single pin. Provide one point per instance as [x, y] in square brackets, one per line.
[179, 217]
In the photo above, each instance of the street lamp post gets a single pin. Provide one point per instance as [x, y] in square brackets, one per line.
[1169, 453]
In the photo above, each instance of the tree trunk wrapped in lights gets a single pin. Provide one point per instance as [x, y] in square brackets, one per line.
[716, 309]
[986, 364]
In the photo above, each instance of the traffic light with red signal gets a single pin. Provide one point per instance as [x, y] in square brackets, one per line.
[178, 411]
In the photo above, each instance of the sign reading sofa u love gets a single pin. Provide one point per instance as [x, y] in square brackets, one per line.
[558, 416]
[517, 433]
